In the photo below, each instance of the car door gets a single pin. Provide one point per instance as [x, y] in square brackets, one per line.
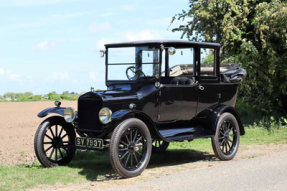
[208, 91]
[178, 101]
[189, 102]
[169, 102]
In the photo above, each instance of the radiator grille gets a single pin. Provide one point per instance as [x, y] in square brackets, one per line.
[88, 109]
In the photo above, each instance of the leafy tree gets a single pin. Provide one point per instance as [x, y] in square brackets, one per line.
[66, 92]
[55, 97]
[252, 32]
[65, 96]
[208, 59]
[9, 95]
[28, 94]
[37, 98]
[23, 98]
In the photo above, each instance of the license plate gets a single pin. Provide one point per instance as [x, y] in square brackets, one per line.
[89, 142]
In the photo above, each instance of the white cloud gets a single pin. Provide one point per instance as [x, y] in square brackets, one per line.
[101, 43]
[10, 75]
[68, 15]
[128, 7]
[93, 76]
[143, 35]
[107, 14]
[2, 72]
[60, 75]
[46, 45]
[94, 27]
[76, 81]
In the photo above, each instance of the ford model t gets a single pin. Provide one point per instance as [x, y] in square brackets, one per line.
[157, 92]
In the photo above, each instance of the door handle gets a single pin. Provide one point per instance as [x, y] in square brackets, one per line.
[200, 87]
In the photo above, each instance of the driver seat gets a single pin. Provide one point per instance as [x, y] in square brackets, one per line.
[182, 81]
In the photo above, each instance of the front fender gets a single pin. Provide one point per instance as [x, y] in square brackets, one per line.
[211, 117]
[123, 114]
[57, 110]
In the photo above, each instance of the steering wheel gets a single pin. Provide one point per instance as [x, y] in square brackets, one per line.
[135, 73]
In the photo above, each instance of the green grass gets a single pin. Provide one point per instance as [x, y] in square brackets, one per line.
[262, 136]
[95, 166]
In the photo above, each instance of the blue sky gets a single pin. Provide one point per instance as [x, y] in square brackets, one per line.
[52, 45]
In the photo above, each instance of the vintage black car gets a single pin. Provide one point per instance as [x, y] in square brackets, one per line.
[157, 92]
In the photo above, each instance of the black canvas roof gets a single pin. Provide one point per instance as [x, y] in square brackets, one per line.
[165, 42]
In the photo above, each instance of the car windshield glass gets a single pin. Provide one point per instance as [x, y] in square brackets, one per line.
[133, 63]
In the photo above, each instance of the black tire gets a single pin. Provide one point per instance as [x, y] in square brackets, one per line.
[159, 146]
[53, 145]
[225, 143]
[130, 148]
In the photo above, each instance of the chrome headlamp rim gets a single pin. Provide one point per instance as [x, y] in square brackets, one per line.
[73, 115]
[109, 115]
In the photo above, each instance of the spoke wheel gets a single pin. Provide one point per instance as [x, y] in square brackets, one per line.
[130, 148]
[227, 137]
[226, 141]
[159, 146]
[54, 141]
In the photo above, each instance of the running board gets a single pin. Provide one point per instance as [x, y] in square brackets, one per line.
[183, 133]
[186, 138]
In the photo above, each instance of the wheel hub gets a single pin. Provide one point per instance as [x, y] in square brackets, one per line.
[132, 148]
[226, 137]
[57, 142]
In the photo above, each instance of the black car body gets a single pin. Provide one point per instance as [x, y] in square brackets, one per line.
[174, 87]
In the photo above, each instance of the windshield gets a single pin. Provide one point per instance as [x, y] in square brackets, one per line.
[133, 63]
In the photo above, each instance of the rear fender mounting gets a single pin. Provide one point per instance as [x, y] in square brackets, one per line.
[211, 117]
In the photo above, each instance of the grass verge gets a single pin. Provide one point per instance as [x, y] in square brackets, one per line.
[95, 166]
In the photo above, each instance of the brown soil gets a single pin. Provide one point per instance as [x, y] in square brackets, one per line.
[18, 124]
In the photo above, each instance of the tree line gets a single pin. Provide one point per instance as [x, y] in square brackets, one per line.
[29, 96]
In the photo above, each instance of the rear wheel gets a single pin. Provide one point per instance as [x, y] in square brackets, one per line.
[159, 146]
[225, 143]
[130, 148]
[53, 142]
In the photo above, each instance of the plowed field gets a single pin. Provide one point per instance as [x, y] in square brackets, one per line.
[18, 124]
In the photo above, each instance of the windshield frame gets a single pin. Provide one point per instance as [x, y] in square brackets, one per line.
[140, 79]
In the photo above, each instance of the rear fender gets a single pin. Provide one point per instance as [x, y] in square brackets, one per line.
[121, 115]
[211, 117]
[57, 110]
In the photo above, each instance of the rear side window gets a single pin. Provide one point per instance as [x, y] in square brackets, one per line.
[181, 63]
[207, 62]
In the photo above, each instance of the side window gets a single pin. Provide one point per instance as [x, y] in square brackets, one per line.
[181, 63]
[207, 62]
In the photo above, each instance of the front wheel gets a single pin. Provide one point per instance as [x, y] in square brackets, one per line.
[54, 141]
[225, 143]
[130, 148]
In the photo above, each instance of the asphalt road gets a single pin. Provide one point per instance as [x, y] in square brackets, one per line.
[261, 173]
